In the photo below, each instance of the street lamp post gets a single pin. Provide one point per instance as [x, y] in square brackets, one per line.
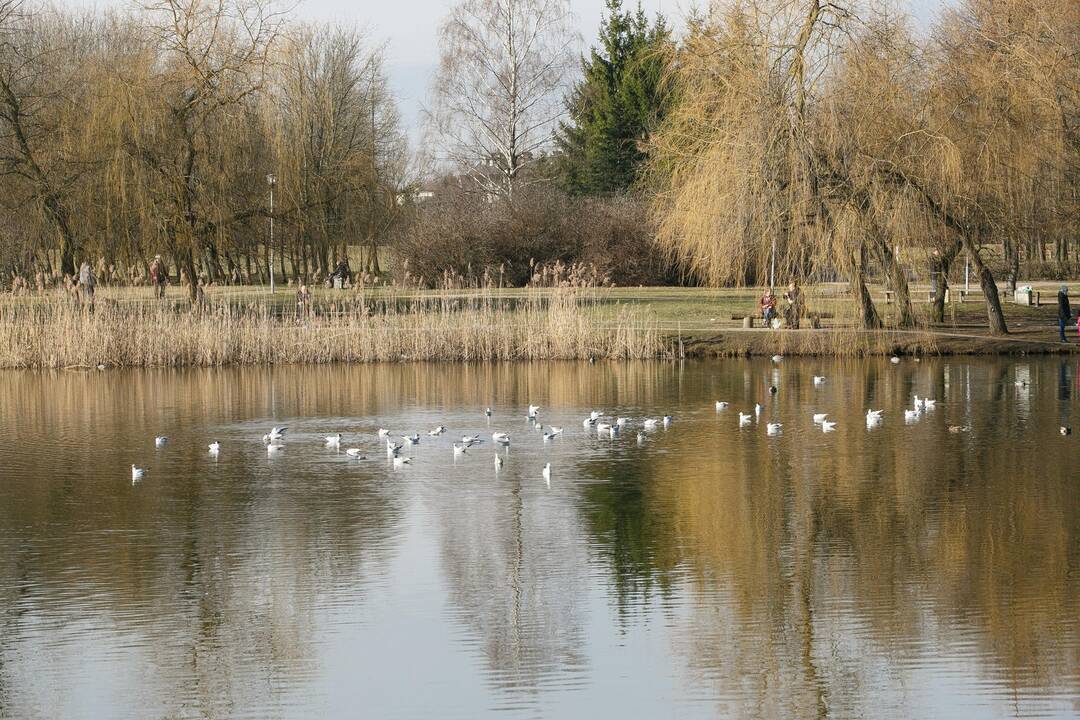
[271, 180]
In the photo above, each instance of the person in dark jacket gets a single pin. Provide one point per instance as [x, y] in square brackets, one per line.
[1064, 311]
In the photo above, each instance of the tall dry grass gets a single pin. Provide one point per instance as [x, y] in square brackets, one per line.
[558, 324]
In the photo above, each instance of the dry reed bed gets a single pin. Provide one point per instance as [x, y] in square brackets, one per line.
[563, 325]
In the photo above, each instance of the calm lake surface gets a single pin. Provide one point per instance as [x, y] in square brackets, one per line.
[711, 571]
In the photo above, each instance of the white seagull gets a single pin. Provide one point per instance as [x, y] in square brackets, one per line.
[161, 441]
[773, 428]
[460, 449]
[501, 438]
[354, 453]
[437, 431]
[333, 440]
[547, 474]
[275, 434]
[745, 419]
[272, 448]
[399, 461]
[777, 358]
[721, 405]
[468, 440]
[553, 430]
[533, 409]
[136, 473]
[911, 416]
[392, 448]
[667, 420]
[651, 423]
[215, 447]
[820, 417]
[413, 439]
[487, 411]
[819, 379]
[383, 432]
[828, 426]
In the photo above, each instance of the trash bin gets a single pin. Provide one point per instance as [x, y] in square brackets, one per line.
[1023, 296]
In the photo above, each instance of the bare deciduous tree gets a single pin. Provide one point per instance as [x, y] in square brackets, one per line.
[504, 66]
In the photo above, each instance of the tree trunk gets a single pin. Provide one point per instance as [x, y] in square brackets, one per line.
[897, 279]
[868, 313]
[994, 313]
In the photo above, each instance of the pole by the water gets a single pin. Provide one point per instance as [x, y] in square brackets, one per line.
[271, 180]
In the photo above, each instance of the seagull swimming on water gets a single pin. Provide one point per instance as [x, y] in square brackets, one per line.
[272, 448]
[745, 419]
[275, 434]
[354, 453]
[721, 405]
[774, 428]
[651, 423]
[437, 431]
[460, 449]
[413, 439]
[400, 461]
[161, 441]
[819, 379]
[501, 438]
[468, 440]
[820, 417]
[383, 432]
[393, 448]
[533, 409]
[215, 447]
[333, 440]
[136, 473]
[828, 426]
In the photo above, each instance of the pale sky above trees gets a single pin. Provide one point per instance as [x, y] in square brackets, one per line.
[409, 27]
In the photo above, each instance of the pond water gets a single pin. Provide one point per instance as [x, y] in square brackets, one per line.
[710, 571]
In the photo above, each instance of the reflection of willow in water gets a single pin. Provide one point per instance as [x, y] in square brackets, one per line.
[217, 572]
[823, 565]
[516, 571]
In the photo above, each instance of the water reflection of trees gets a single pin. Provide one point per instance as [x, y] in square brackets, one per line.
[886, 543]
[218, 573]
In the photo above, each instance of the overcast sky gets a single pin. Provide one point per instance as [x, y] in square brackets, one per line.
[409, 28]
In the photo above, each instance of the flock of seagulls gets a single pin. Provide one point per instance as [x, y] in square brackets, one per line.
[597, 421]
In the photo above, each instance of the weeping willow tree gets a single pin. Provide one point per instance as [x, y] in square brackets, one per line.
[797, 146]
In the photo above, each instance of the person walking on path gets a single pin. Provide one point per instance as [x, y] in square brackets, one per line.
[1064, 311]
[87, 282]
[158, 277]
